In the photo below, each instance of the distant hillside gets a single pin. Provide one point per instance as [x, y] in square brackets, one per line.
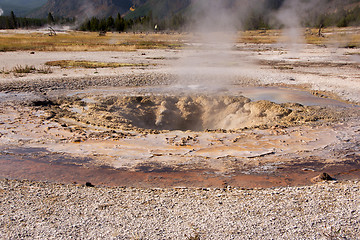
[159, 8]
[83, 8]
[259, 13]
[20, 7]
[102, 8]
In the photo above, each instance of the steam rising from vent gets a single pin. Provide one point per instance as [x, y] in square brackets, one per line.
[290, 15]
[87, 9]
[214, 35]
[212, 17]
[214, 25]
[1, 12]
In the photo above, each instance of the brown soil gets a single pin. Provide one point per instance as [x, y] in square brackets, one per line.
[291, 175]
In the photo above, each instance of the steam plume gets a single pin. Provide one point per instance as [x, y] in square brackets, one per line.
[87, 9]
[214, 34]
[290, 15]
[1, 12]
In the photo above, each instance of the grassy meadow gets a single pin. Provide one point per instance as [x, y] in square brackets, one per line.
[86, 41]
[91, 41]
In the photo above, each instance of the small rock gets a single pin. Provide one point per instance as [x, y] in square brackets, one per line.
[308, 170]
[89, 184]
[322, 177]
[77, 140]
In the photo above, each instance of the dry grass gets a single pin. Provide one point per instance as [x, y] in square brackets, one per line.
[44, 70]
[342, 37]
[20, 70]
[260, 36]
[87, 41]
[23, 69]
[91, 64]
[4, 71]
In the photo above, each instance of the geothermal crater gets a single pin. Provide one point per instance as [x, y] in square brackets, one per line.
[148, 136]
[268, 126]
[191, 112]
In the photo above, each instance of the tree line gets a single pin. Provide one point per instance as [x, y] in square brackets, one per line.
[13, 22]
[342, 18]
[254, 20]
[178, 22]
[145, 23]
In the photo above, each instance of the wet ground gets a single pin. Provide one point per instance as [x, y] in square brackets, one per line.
[279, 122]
[73, 137]
[58, 168]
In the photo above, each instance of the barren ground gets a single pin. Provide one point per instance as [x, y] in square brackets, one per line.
[265, 115]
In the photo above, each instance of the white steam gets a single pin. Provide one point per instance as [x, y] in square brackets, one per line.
[290, 15]
[1, 12]
[87, 9]
[214, 24]
[214, 32]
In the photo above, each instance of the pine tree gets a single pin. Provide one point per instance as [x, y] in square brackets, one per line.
[110, 23]
[50, 19]
[119, 23]
[103, 25]
[13, 21]
[94, 24]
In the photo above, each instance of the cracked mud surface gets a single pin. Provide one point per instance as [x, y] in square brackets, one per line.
[135, 130]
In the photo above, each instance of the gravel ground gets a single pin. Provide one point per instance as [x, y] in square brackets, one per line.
[36, 210]
[71, 83]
